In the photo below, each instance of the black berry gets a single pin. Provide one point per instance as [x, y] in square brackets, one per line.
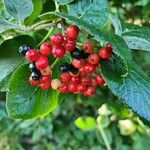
[32, 67]
[24, 48]
[85, 55]
[77, 54]
[73, 70]
[64, 67]
[36, 75]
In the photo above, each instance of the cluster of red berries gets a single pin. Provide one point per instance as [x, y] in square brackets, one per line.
[78, 76]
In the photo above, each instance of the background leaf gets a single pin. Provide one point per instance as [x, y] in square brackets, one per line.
[64, 2]
[19, 9]
[26, 101]
[94, 12]
[10, 57]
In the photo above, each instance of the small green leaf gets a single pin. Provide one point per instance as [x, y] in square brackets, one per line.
[48, 16]
[10, 57]
[6, 25]
[134, 89]
[85, 123]
[36, 11]
[19, 9]
[64, 2]
[94, 12]
[26, 101]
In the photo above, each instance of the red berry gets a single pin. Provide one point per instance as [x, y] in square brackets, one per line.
[32, 55]
[78, 63]
[81, 87]
[82, 71]
[88, 47]
[57, 39]
[45, 85]
[63, 88]
[89, 91]
[89, 68]
[72, 87]
[93, 82]
[94, 59]
[99, 80]
[85, 80]
[108, 46]
[105, 52]
[42, 62]
[45, 48]
[33, 82]
[46, 71]
[72, 32]
[70, 45]
[75, 79]
[55, 84]
[58, 52]
[45, 79]
[65, 77]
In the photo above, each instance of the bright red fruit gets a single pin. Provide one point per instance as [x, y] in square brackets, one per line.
[65, 77]
[94, 59]
[99, 80]
[89, 91]
[81, 87]
[85, 80]
[63, 88]
[89, 68]
[58, 52]
[72, 87]
[57, 39]
[78, 63]
[46, 48]
[88, 47]
[46, 71]
[93, 82]
[45, 86]
[42, 62]
[70, 45]
[72, 32]
[45, 79]
[75, 79]
[33, 82]
[82, 71]
[32, 55]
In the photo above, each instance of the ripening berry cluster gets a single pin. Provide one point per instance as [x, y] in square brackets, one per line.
[79, 75]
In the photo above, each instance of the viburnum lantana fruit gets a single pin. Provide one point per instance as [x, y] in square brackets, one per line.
[80, 75]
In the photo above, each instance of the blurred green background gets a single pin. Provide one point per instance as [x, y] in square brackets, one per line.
[64, 129]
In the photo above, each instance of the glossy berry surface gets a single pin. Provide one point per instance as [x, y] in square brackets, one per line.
[72, 32]
[33, 82]
[90, 91]
[64, 67]
[81, 87]
[32, 55]
[77, 54]
[89, 68]
[99, 80]
[42, 62]
[65, 77]
[46, 48]
[46, 71]
[45, 86]
[24, 48]
[70, 45]
[78, 63]
[36, 75]
[72, 87]
[45, 79]
[75, 79]
[63, 88]
[74, 70]
[94, 59]
[105, 53]
[58, 51]
[32, 66]
[57, 39]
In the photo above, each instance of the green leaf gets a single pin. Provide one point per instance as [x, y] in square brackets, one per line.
[26, 101]
[64, 2]
[134, 89]
[36, 11]
[48, 16]
[6, 25]
[19, 9]
[10, 57]
[94, 12]
[85, 123]
[138, 39]
[119, 45]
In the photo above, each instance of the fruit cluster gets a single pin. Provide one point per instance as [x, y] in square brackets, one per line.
[77, 76]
